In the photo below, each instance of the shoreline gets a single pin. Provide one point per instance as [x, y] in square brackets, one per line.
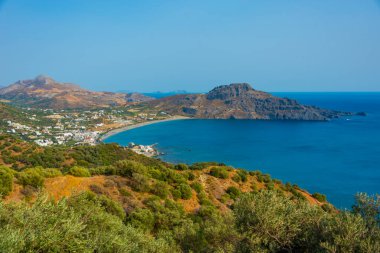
[130, 127]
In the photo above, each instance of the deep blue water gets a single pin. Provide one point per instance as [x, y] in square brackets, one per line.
[339, 158]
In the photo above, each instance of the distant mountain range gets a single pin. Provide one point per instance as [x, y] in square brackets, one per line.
[45, 92]
[241, 101]
[159, 94]
[234, 101]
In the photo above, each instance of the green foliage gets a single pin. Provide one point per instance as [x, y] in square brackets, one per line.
[127, 168]
[219, 172]
[79, 224]
[124, 192]
[181, 166]
[142, 218]
[242, 174]
[236, 178]
[266, 215]
[32, 177]
[190, 176]
[185, 190]
[270, 185]
[176, 194]
[161, 189]
[320, 197]
[197, 187]
[204, 165]
[78, 171]
[140, 182]
[233, 192]
[6, 180]
[368, 207]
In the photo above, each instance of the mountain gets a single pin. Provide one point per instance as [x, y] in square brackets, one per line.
[241, 101]
[45, 92]
[160, 94]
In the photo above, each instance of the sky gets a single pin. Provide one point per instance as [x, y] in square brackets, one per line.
[193, 45]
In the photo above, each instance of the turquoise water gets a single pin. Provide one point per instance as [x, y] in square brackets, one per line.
[338, 158]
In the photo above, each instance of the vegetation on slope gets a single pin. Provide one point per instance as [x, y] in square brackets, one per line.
[106, 198]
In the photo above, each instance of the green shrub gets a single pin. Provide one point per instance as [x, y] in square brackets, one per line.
[204, 165]
[124, 192]
[6, 180]
[112, 207]
[127, 168]
[190, 176]
[236, 178]
[176, 194]
[197, 187]
[32, 177]
[219, 172]
[243, 175]
[140, 183]
[233, 192]
[269, 185]
[16, 149]
[77, 171]
[185, 190]
[142, 219]
[78, 224]
[161, 189]
[181, 166]
[320, 197]
[49, 173]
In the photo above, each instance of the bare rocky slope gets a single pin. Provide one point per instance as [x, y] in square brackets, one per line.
[241, 101]
[45, 92]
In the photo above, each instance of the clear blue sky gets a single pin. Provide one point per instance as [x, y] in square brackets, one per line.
[295, 45]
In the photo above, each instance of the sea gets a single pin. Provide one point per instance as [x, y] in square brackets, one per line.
[338, 158]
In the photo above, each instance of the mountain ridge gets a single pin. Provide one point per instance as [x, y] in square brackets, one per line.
[44, 91]
[241, 101]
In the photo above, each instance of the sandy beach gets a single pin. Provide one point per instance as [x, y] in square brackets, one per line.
[126, 128]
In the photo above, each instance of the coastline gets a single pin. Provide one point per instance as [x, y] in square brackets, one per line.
[130, 127]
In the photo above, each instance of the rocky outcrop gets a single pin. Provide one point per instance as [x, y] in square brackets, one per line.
[241, 101]
[45, 92]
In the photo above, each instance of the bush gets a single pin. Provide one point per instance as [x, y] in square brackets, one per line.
[185, 190]
[233, 192]
[16, 149]
[127, 168]
[78, 224]
[142, 219]
[176, 194]
[320, 197]
[236, 178]
[49, 173]
[31, 177]
[124, 192]
[161, 189]
[204, 165]
[270, 185]
[140, 183]
[77, 171]
[242, 174]
[197, 187]
[219, 172]
[267, 215]
[190, 176]
[181, 166]
[6, 180]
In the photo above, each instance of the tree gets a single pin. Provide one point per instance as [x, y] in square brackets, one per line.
[6, 180]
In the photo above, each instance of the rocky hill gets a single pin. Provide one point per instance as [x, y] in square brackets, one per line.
[45, 92]
[241, 101]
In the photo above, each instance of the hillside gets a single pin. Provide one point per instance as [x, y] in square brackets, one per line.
[106, 198]
[45, 92]
[241, 101]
